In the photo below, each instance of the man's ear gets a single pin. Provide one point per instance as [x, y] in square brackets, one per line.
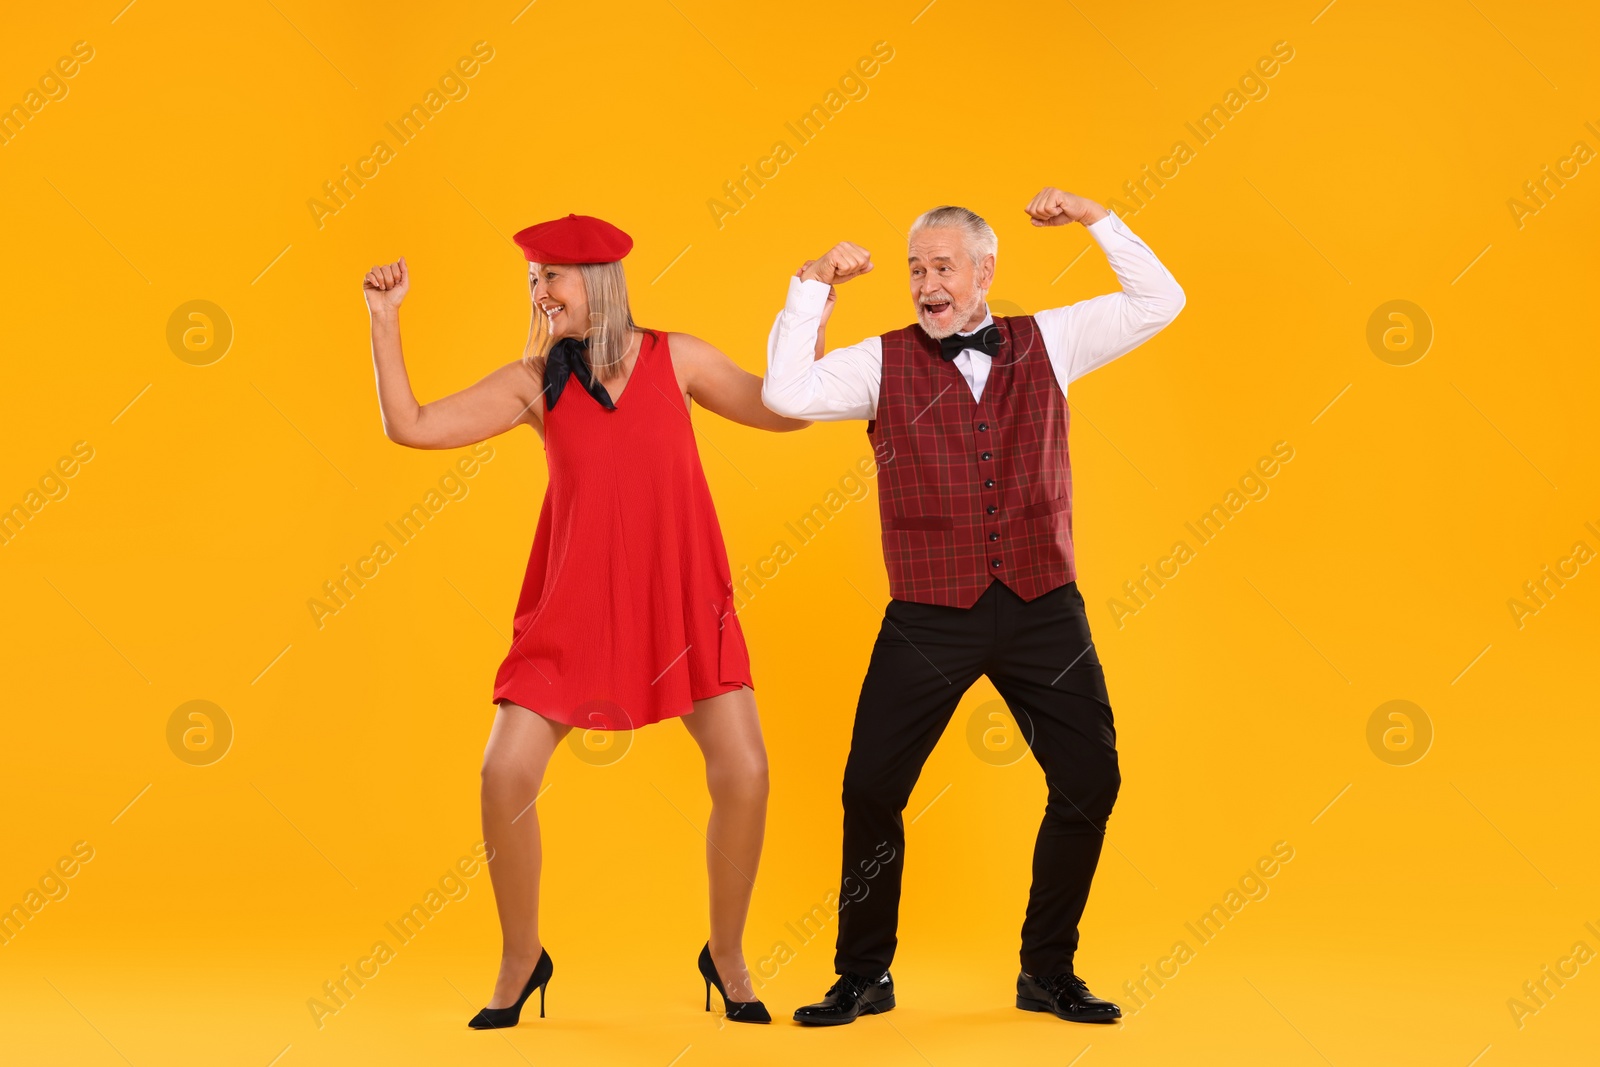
[986, 272]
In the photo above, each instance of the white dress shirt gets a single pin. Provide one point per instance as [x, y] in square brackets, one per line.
[844, 383]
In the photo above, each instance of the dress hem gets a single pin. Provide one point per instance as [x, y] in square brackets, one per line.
[727, 687]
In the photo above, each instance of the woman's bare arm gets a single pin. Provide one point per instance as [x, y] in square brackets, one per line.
[720, 385]
[500, 400]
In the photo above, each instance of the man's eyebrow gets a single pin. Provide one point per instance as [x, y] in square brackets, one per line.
[936, 259]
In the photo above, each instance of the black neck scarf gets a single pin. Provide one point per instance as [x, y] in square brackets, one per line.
[566, 360]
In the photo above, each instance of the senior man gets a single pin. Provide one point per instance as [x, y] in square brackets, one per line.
[967, 414]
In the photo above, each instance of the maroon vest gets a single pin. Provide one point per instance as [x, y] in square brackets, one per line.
[972, 490]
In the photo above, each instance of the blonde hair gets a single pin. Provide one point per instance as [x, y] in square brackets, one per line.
[610, 333]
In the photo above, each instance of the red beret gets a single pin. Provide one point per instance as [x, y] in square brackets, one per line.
[574, 239]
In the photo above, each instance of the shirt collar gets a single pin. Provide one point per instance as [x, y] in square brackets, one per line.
[988, 320]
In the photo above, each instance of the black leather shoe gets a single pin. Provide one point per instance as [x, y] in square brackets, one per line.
[851, 995]
[1066, 997]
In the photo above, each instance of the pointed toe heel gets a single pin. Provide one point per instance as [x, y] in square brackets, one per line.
[500, 1018]
[739, 1011]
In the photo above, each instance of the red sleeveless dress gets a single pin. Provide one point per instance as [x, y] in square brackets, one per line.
[626, 614]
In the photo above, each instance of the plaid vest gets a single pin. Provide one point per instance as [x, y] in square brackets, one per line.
[971, 491]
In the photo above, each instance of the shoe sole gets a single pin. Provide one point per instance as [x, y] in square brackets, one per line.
[875, 1008]
[1029, 1004]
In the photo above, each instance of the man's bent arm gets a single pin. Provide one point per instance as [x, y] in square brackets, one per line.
[841, 385]
[1093, 332]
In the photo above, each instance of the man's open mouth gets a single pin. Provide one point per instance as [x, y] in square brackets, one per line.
[936, 308]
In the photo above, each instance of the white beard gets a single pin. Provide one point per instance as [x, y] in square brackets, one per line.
[957, 320]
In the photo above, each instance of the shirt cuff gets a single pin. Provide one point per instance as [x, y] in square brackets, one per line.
[807, 296]
[1104, 227]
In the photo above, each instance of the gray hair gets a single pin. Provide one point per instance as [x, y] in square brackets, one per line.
[978, 236]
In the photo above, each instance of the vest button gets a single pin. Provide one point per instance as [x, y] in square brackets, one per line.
[994, 535]
[992, 509]
[984, 456]
[996, 563]
[983, 427]
[988, 483]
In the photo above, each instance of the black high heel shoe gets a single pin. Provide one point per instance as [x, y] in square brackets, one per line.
[499, 1018]
[740, 1011]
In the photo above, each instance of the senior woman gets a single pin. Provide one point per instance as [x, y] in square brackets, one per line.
[626, 614]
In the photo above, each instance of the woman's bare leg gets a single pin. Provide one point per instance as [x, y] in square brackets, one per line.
[729, 735]
[520, 745]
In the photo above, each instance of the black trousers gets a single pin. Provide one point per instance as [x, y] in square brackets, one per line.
[1040, 656]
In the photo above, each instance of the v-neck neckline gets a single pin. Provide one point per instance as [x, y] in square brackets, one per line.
[961, 379]
[616, 401]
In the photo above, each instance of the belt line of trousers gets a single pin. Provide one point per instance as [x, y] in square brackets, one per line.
[1041, 658]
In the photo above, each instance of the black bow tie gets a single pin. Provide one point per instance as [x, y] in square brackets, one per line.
[565, 360]
[986, 340]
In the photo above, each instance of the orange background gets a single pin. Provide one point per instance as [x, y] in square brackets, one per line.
[176, 563]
